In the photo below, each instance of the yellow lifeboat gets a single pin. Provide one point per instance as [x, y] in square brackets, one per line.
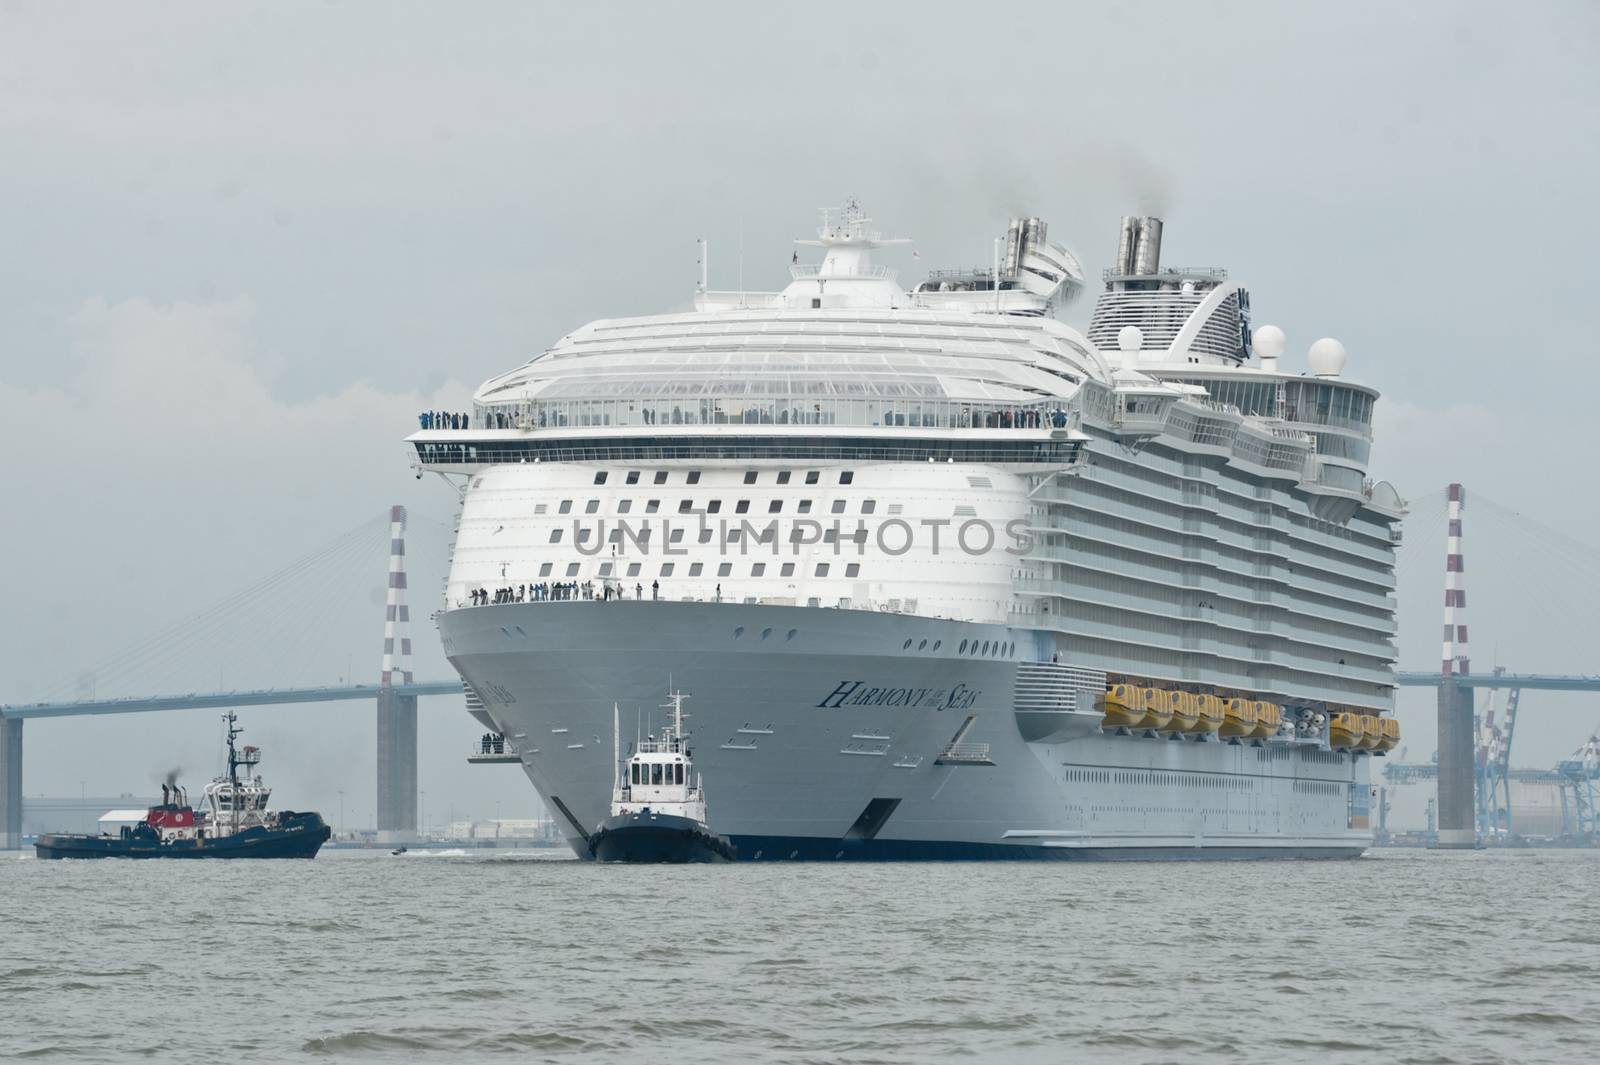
[1157, 708]
[1123, 706]
[1268, 717]
[1389, 736]
[1185, 714]
[1371, 732]
[1345, 731]
[1211, 713]
[1239, 717]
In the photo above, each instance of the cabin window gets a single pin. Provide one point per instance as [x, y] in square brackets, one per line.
[605, 569]
[822, 569]
[565, 507]
[624, 506]
[572, 569]
[805, 506]
[758, 569]
[685, 506]
[783, 476]
[724, 569]
[677, 773]
[816, 303]
[788, 569]
[633, 569]
[661, 477]
[775, 507]
[652, 505]
[749, 476]
[693, 478]
[666, 569]
[714, 507]
[555, 536]
[600, 478]
[846, 476]
[633, 477]
[633, 773]
[544, 569]
[695, 568]
[811, 476]
[705, 535]
[655, 774]
[742, 507]
[676, 537]
[853, 569]
[868, 506]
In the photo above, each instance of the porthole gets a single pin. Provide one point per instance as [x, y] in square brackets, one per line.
[985, 647]
[791, 634]
[937, 644]
[922, 646]
[906, 645]
[765, 633]
[738, 632]
[962, 649]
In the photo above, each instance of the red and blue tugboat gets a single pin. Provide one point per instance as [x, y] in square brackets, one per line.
[232, 822]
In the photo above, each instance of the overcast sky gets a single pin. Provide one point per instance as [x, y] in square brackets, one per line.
[244, 244]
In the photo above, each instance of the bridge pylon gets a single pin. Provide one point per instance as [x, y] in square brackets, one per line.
[397, 713]
[1457, 749]
[10, 783]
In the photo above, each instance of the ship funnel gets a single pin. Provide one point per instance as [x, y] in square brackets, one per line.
[1125, 244]
[1147, 246]
[1014, 239]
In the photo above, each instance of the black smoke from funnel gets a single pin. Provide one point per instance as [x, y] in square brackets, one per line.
[172, 776]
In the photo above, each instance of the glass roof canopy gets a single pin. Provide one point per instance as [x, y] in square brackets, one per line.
[767, 365]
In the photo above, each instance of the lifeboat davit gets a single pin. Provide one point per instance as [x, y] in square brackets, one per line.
[1123, 706]
[1238, 718]
[1210, 712]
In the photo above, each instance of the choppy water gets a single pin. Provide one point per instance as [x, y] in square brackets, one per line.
[1399, 957]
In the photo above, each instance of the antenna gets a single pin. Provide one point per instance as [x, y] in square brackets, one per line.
[705, 265]
[997, 275]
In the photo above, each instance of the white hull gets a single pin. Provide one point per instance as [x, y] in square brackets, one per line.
[810, 724]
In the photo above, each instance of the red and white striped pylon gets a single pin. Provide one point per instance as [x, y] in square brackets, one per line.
[1455, 592]
[397, 617]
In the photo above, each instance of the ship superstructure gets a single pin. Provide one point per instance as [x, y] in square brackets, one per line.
[907, 545]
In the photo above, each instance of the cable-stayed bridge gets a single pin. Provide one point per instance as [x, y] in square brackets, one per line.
[291, 610]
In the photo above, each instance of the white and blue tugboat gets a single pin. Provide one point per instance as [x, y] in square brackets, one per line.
[658, 803]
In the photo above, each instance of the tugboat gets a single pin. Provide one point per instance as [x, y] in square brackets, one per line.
[658, 804]
[233, 822]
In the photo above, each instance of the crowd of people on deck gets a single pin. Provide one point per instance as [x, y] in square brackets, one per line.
[560, 591]
[445, 419]
[992, 419]
[492, 743]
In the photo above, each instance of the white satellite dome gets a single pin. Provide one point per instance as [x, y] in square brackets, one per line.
[1130, 338]
[1326, 358]
[1268, 341]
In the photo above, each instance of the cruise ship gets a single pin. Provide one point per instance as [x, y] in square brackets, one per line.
[946, 577]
